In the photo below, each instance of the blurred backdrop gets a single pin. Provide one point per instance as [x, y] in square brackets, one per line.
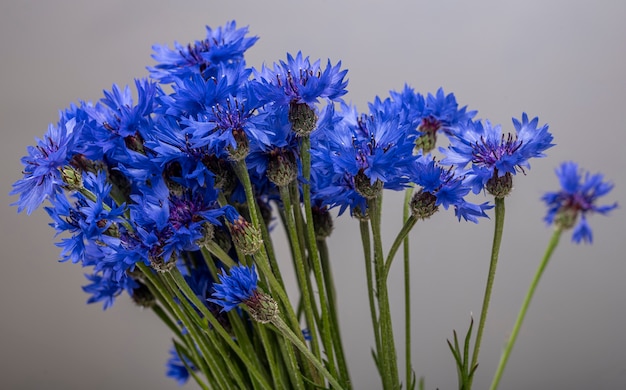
[563, 61]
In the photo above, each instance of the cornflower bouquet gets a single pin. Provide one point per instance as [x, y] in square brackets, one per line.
[172, 197]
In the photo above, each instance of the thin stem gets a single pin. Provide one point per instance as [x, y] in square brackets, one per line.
[288, 333]
[400, 238]
[301, 273]
[168, 299]
[314, 258]
[388, 352]
[495, 251]
[554, 241]
[189, 294]
[332, 306]
[367, 255]
[406, 215]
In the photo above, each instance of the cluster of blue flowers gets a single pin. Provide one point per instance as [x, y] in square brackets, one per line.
[144, 181]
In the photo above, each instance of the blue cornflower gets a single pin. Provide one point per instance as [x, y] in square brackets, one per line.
[178, 370]
[494, 155]
[118, 127]
[238, 287]
[279, 147]
[355, 158]
[577, 197]
[225, 44]
[442, 186]
[196, 95]
[42, 176]
[104, 288]
[298, 81]
[169, 223]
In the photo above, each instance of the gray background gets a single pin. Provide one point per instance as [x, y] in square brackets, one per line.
[563, 61]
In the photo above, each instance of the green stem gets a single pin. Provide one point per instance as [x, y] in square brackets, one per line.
[554, 241]
[406, 215]
[212, 350]
[388, 355]
[367, 255]
[301, 273]
[400, 238]
[495, 251]
[332, 306]
[189, 294]
[288, 333]
[156, 285]
[326, 331]
[261, 257]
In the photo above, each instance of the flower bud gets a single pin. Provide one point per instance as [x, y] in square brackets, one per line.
[262, 307]
[159, 264]
[72, 178]
[322, 222]
[428, 139]
[500, 186]
[245, 236]
[423, 205]
[365, 188]
[142, 296]
[208, 233]
[302, 117]
[225, 178]
[282, 168]
[243, 145]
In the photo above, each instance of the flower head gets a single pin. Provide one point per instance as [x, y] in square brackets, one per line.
[225, 44]
[300, 81]
[578, 196]
[493, 154]
[177, 369]
[238, 287]
[42, 176]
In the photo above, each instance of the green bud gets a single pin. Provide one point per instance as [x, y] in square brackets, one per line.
[262, 307]
[302, 117]
[500, 186]
[245, 236]
[423, 205]
[282, 168]
[243, 145]
[365, 188]
[159, 264]
[72, 178]
[322, 222]
[142, 296]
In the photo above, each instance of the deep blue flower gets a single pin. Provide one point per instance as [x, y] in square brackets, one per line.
[447, 187]
[176, 369]
[117, 127]
[299, 81]
[358, 152]
[172, 222]
[42, 176]
[236, 288]
[493, 154]
[577, 198]
[105, 289]
[431, 113]
[225, 44]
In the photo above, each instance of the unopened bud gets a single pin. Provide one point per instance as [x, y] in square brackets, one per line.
[302, 117]
[243, 145]
[245, 236]
[363, 185]
[423, 205]
[72, 178]
[262, 307]
[282, 168]
[500, 186]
